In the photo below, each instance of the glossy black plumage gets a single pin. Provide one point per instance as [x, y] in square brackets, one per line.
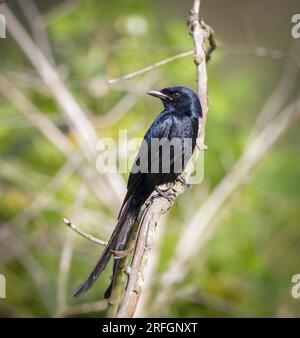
[178, 121]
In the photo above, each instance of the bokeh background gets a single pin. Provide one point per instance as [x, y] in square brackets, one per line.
[244, 263]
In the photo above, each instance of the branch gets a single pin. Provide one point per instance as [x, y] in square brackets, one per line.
[83, 234]
[67, 254]
[199, 58]
[154, 259]
[258, 51]
[146, 234]
[119, 283]
[151, 67]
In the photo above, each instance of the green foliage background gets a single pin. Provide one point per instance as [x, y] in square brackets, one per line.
[246, 268]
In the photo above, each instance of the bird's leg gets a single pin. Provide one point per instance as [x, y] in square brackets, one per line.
[165, 194]
[182, 180]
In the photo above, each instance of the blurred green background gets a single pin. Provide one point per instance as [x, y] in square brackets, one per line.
[245, 269]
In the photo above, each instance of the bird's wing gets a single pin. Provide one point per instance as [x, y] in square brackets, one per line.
[160, 128]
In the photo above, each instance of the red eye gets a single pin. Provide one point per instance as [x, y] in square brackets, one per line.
[176, 95]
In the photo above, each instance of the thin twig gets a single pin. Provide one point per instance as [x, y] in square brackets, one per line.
[258, 51]
[151, 67]
[83, 234]
[67, 254]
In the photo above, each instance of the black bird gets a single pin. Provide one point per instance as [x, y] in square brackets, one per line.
[178, 121]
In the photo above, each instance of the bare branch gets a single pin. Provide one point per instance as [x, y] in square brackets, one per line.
[83, 234]
[138, 268]
[199, 60]
[67, 254]
[262, 52]
[152, 275]
[151, 67]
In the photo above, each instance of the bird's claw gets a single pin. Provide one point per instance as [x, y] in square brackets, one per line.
[167, 195]
[183, 181]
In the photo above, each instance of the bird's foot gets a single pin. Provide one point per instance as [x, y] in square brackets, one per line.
[183, 181]
[166, 194]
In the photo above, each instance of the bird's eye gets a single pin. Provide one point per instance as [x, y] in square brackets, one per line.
[176, 95]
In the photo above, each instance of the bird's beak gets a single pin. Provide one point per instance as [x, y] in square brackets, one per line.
[159, 94]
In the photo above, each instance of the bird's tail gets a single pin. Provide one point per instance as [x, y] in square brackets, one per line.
[118, 239]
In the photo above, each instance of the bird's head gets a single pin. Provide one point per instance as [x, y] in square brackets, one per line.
[179, 99]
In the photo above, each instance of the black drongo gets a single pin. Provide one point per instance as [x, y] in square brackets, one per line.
[177, 127]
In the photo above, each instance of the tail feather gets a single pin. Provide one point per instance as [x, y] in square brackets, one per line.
[120, 247]
[118, 237]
